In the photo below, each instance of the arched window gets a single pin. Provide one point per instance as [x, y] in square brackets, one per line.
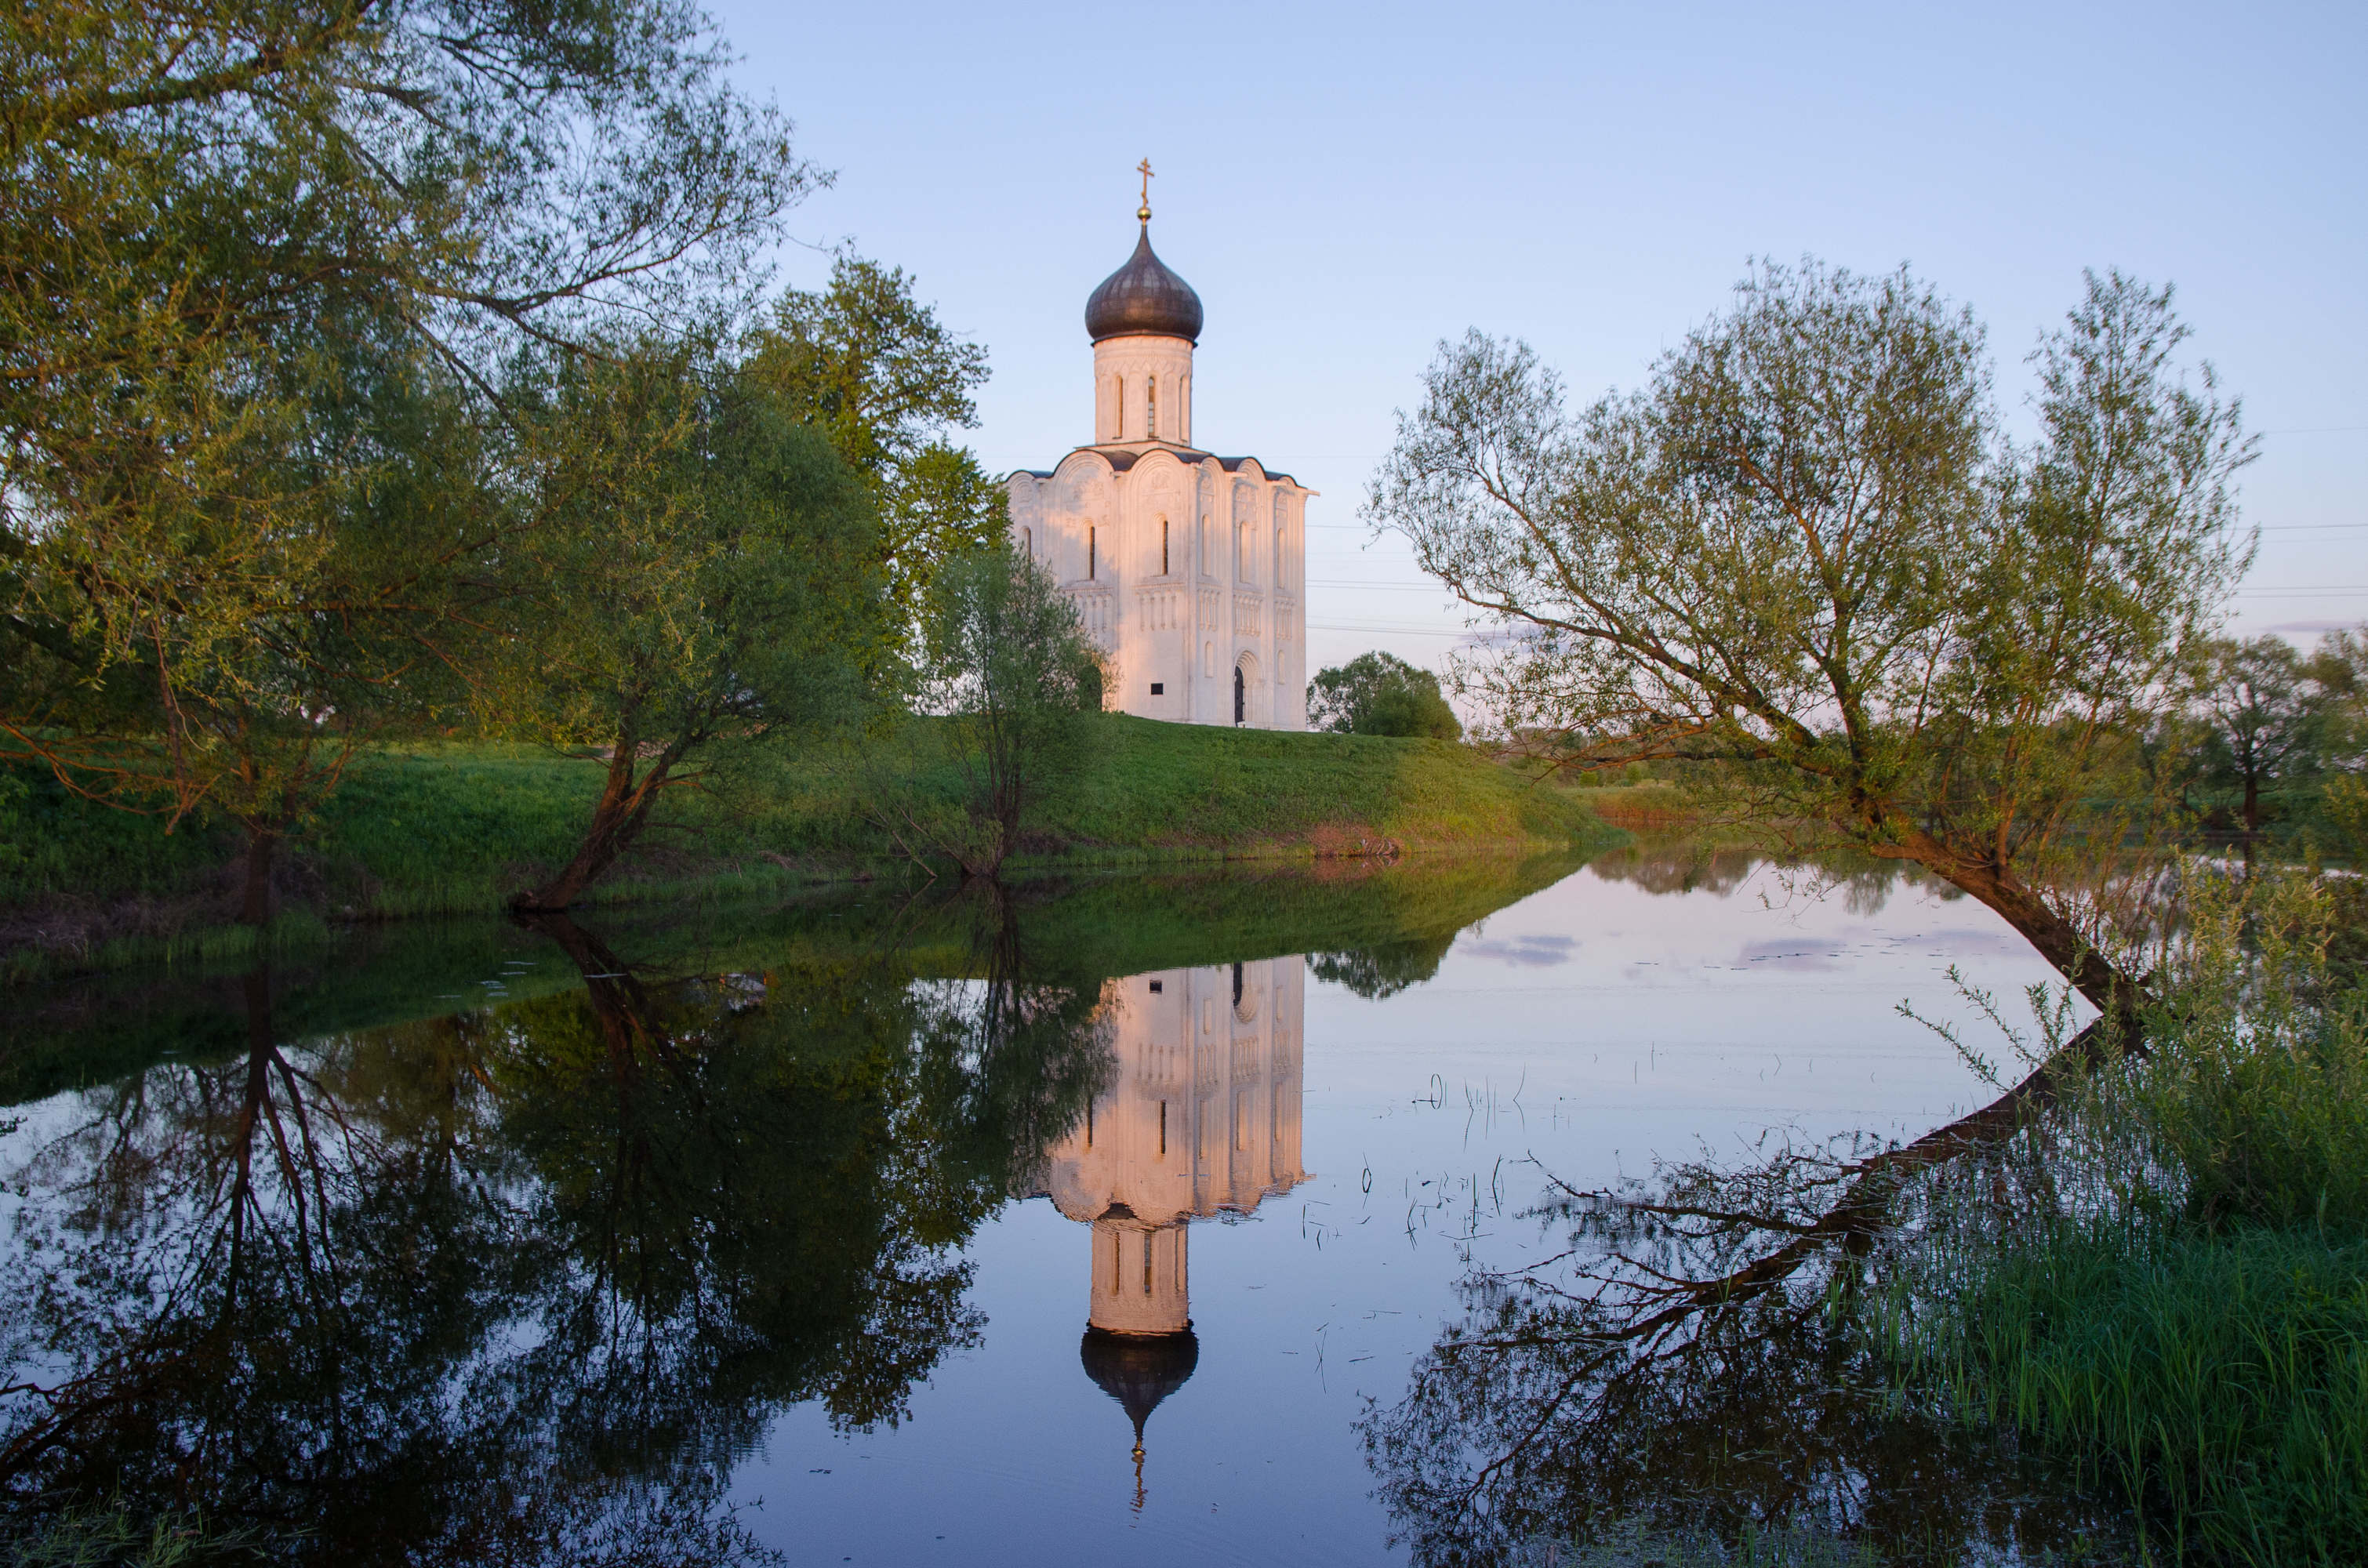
[1092, 558]
[1163, 547]
[1028, 543]
[1151, 408]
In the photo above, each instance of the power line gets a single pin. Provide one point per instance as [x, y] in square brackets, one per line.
[1400, 627]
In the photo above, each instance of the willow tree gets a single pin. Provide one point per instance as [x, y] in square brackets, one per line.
[226, 222]
[1806, 546]
[700, 576]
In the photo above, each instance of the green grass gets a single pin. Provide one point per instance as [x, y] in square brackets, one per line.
[2220, 1381]
[451, 828]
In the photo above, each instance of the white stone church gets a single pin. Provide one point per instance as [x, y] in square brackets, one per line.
[1189, 568]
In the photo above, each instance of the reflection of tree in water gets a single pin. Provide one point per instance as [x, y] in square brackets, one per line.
[1386, 968]
[1683, 866]
[1686, 865]
[518, 1286]
[1705, 1359]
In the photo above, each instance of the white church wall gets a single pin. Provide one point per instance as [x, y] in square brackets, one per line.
[1186, 568]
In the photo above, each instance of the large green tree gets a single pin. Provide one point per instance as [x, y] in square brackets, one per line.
[1806, 546]
[874, 369]
[701, 576]
[228, 223]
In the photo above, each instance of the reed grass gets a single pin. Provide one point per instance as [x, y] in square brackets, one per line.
[2167, 1281]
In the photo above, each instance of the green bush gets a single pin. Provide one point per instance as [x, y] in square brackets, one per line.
[1381, 694]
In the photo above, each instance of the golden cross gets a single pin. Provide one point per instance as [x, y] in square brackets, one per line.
[1145, 167]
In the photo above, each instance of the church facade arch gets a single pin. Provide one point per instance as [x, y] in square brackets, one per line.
[1249, 692]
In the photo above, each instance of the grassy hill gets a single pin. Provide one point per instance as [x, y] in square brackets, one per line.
[445, 828]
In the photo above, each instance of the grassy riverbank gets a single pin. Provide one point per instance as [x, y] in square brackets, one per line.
[1353, 918]
[447, 829]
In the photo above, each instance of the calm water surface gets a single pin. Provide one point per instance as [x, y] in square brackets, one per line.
[897, 1230]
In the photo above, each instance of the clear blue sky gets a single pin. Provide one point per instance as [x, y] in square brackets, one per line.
[1345, 186]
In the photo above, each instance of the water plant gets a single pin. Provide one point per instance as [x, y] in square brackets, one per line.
[2176, 1296]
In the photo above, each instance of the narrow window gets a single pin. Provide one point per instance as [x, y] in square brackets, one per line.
[1163, 547]
[1151, 408]
[1238, 996]
[1163, 1126]
[1184, 399]
[1118, 408]
[1027, 542]
[1118, 1247]
[1092, 557]
[1146, 1264]
[1089, 1125]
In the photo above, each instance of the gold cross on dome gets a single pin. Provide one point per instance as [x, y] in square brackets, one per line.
[1145, 167]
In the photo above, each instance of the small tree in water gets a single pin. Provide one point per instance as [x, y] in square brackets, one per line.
[1804, 546]
[1011, 671]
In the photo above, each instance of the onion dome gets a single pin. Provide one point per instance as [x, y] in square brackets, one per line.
[1142, 298]
[1139, 1369]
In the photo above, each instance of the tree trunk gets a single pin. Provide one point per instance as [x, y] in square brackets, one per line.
[617, 821]
[2057, 939]
[617, 998]
[257, 907]
[2252, 803]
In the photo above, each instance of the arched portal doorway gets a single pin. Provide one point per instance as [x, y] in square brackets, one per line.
[1240, 694]
[1245, 680]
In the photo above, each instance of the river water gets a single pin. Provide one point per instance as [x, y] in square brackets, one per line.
[1104, 1219]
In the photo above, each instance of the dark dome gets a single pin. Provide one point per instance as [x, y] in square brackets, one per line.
[1139, 1369]
[1142, 298]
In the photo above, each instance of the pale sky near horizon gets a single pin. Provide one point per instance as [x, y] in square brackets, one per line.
[1347, 186]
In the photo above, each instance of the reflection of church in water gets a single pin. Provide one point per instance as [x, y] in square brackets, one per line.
[1201, 1119]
